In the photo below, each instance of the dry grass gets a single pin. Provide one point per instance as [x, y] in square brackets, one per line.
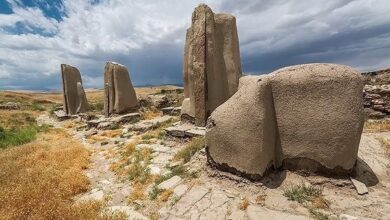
[165, 195]
[17, 119]
[111, 133]
[190, 149]
[244, 203]
[385, 142]
[376, 126]
[151, 113]
[39, 179]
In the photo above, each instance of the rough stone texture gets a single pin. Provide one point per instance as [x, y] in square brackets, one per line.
[319, 114]
[211, 65]
[256, 212]
[119, 94]
[360, 187]
[185, 130]
[376, 101]
[306, 117]
[170, 183]
[243, 128]
[75, 100]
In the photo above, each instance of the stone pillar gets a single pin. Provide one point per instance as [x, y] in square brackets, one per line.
[75, 100]
[119, 94]
[211, 64]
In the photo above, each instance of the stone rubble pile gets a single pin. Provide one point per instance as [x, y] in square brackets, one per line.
[10, 106]
[376, 101]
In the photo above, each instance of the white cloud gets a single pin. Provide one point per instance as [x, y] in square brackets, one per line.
[122, 30]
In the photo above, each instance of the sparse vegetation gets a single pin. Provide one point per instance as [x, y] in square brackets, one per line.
[19, 128]
[150, 113]
[310, 197]
[188, 151]
[244, 203]
[386, 143]
[97, 106]
[154, 192]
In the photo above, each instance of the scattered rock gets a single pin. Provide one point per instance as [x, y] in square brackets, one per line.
[171, 110]
[150, 124]
[91, 132]
[154, 170]
[360, 187]
[126, 118]
[159, 101]
[185, 130]
[105, 125]
[258, 212]
[198, 131]
[10, 106]
[347, 217]
[170, 183]
[61, 115]
[104, 143]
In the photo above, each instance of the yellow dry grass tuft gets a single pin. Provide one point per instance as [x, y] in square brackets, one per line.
[385, 142]
[376, 126]
[244, 203]
[111, 133]
[164, 196]
[150, 114]
[38, 180]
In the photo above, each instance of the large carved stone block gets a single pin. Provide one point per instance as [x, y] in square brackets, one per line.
[75, 100]
[306, 117]
[241, 132]
[119, 94]
[319, 114]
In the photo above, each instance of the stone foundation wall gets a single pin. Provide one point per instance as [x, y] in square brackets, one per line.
[376, 94]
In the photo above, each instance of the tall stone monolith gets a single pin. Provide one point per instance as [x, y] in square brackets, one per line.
[75, 100]
[119, 93]
[211, 65]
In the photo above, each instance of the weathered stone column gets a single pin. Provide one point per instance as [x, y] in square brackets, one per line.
[119, 94]
[75, 100]
[211, 64]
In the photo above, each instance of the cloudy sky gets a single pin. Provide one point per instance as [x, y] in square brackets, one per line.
[36, 36]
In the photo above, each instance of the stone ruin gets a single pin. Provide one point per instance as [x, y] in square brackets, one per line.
[211, 66]
[75, 100]
[305, 117]
[119, 94]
